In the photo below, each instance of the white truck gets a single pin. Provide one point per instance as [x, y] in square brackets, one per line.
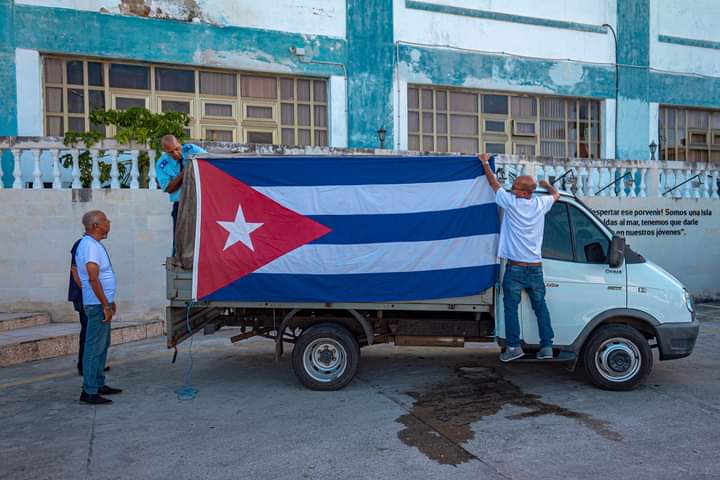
[609, 306]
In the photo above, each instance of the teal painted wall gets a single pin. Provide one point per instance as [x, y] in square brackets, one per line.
[8, 102]
[633, 115]
[88, 33]
[370, 67]
[468, 69]
[8, 92]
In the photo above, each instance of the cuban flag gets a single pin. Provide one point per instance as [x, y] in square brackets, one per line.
[343, 229]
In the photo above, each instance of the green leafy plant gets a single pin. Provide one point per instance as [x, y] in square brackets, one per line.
[133, 126]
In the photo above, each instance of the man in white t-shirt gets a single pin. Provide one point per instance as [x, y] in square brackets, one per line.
[521, 237]
[97, 280]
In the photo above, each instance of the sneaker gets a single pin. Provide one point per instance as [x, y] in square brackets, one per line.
[93, 399]
[511, 353]
[105, 390]
[545, 353]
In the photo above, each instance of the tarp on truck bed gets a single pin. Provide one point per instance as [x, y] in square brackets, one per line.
[337, 229]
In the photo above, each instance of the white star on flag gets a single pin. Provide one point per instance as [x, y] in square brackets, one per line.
[239, 230]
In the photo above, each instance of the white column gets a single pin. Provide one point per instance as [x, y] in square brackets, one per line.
[17, 168]
[607, 117]
[95, 171]
[152, 173]
[56, 184]
[633, 175]
[134, 172]
[679, 178]
[29, 92]
[114, 172]
[653, 133]
[37, 174]
[705, 182]
[338, 112]
[75, 168]
[643, 182]
[400, 116]
[590, 187]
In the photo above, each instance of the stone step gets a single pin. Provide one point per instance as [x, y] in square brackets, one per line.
[58, 339]
[13, 321]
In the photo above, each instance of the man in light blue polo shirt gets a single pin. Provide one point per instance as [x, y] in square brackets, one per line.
[97, 280]
[169, 169]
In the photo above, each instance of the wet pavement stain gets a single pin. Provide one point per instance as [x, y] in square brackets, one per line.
[441, 418]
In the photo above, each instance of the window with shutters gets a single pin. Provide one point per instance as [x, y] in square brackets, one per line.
[689, 134]
[471, 121]
[223, 106]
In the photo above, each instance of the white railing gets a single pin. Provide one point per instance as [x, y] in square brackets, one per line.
[45, 162]
[36, 163]
[610, 178]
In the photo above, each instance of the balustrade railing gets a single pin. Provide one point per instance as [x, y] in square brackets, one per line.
[45, 162]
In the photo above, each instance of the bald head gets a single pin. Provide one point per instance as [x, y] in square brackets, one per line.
[91, 218]
[171, 146]
[96, 224]
[524, 186]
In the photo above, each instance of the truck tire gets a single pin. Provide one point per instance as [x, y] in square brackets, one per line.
[326, 357]
[617, 357]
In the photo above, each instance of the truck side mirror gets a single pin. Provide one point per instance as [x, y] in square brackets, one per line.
[616, 254]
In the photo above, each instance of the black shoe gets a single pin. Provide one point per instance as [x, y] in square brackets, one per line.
[105, 390]
[93, 399]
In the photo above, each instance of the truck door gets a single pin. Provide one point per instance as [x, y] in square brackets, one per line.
[579, 283]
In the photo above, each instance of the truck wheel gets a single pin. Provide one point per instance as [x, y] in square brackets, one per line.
[326, 357]
[617, 357]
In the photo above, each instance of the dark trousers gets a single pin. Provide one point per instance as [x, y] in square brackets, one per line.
[174, 219]
[97, 343]
[83, 334]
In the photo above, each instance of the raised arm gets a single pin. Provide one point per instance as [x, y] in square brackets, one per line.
[551, 190]
[491, 178]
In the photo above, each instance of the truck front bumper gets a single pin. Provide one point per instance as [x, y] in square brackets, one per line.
[677, 340]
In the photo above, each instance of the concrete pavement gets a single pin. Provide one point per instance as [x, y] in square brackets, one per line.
[411, 413]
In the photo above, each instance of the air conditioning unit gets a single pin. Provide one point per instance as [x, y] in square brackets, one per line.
[523, 128]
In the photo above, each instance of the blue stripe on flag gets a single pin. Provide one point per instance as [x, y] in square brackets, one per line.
[348, 170]
[409, 227]
[370, 287]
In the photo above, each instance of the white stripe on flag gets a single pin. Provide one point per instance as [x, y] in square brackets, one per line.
[457, 252]
[378, 199]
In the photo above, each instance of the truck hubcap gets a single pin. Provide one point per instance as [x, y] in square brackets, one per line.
[324, 360]
[618, 359]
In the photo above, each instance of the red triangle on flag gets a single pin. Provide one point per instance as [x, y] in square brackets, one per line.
[241, 230]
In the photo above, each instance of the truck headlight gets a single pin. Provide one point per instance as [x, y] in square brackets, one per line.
[687, 298]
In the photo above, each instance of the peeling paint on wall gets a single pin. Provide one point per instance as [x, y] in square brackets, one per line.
[243, 60]
[184, 10]
[499, 72]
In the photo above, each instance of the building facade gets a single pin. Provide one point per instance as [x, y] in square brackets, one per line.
[582, 78]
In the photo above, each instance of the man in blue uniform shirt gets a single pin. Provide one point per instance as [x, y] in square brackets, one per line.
[169, 169]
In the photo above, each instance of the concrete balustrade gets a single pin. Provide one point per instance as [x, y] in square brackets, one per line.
[36, 164]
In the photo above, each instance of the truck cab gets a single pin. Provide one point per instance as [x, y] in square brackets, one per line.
[608, 305]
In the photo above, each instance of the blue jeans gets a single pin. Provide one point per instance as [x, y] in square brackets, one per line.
[531, 279]
[97, 341]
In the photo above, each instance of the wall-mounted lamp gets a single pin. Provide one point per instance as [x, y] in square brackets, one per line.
[653, 148]
[381, 136]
